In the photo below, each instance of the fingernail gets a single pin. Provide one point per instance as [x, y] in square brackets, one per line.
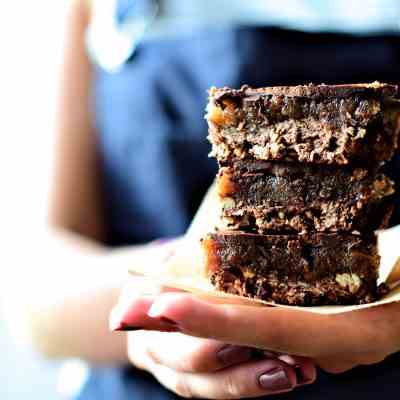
[122, 327]
[275, 379]
[231, 355]
[164, 325]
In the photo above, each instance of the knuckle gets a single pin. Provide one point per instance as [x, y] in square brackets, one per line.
[234, 388]
[193, 360]
[152, 355]
[200, 357]
[191, 364]
[182, 388]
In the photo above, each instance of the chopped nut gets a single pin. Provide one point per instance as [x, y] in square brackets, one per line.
[219, 116]
[215, 115]
[350, 281]
[281, 215]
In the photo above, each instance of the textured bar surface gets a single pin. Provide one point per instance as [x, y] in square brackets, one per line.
[268, 197]
[317, 269]
[321, 124]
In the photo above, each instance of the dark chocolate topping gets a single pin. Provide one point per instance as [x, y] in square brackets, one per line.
[374, 89]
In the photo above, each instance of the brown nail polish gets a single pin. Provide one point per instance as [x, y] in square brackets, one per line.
[122, 327]
[231, 355]
[275, 380]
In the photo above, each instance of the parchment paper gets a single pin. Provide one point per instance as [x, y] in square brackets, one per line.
[185, 269]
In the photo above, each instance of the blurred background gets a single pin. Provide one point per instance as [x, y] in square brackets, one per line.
[31, 39]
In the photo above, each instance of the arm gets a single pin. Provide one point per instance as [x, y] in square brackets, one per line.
[76, 197]
[62, 299]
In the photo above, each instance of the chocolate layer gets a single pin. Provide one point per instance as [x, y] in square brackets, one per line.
[313, 269]
[265, 197]
[314, 124]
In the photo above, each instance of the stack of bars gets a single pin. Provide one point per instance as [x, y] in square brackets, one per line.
[301, 191]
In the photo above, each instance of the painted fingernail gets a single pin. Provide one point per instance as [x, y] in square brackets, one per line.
[122, 327]
[231, 355]
[275, 380]
[163, 325]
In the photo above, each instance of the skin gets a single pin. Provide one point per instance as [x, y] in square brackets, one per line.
[66, 314]
[192, 366]
[336, 343]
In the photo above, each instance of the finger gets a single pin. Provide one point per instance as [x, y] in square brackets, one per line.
[136, 318]
[247, 380]
[135, 299]
[189, 354]
[306, 372]
[277, 329]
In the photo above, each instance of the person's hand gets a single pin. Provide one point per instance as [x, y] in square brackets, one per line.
[197, 367]
[336, 343]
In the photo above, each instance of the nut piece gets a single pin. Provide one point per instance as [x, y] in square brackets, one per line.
[221, 116]
[215, 115]
[349, 281]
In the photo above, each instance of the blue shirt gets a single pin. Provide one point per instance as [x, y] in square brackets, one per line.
[119, 25]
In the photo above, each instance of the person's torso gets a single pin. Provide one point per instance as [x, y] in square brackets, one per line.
[150, 114]
[152, 134]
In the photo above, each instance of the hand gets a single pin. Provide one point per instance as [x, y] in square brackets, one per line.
[336, 343]
[197, 367]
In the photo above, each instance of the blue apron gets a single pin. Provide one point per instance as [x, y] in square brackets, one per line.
[152, 138]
